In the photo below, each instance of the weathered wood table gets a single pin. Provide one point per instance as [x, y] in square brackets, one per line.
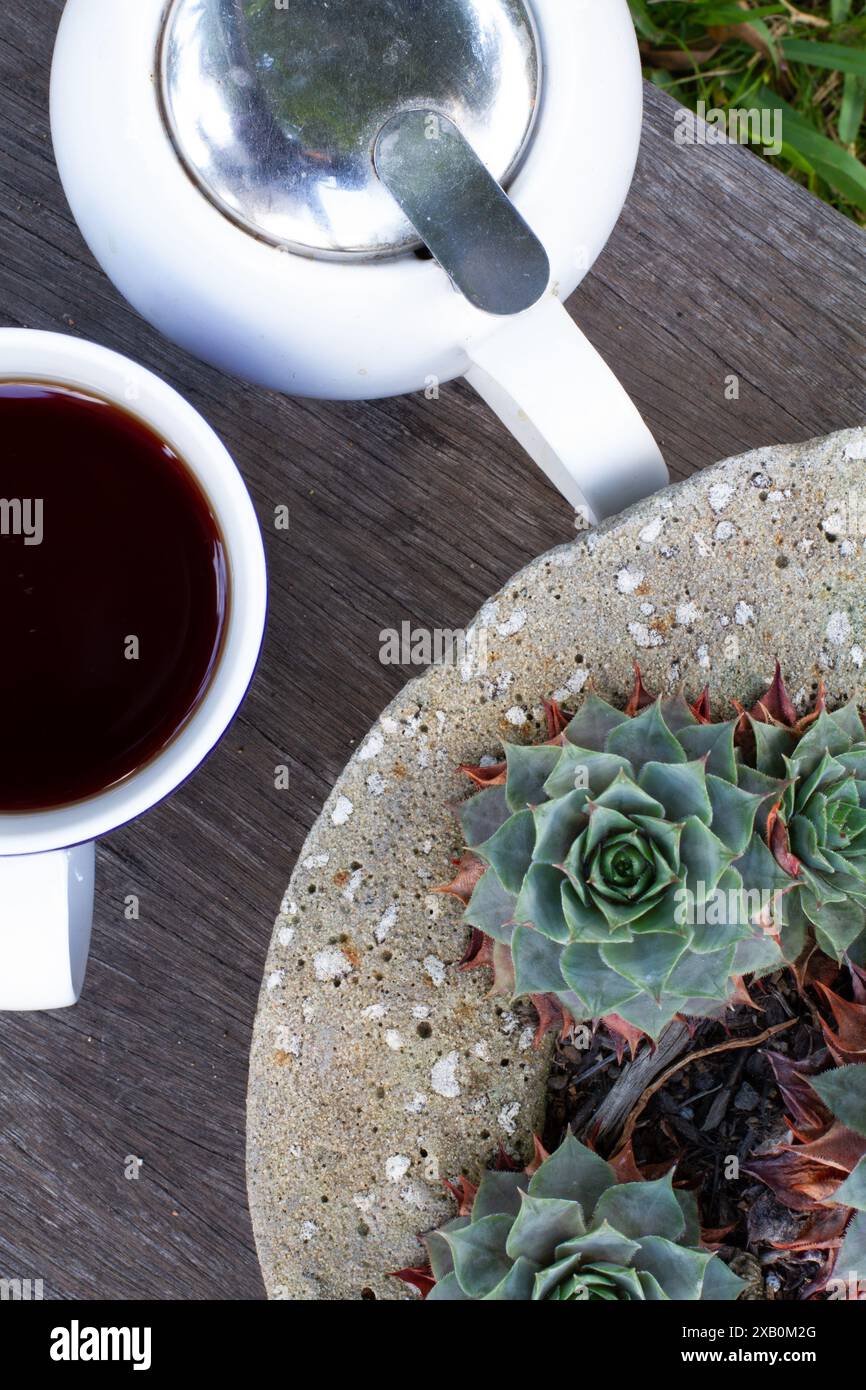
[401, 510]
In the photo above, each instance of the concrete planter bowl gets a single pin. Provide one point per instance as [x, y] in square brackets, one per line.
[378, 1068]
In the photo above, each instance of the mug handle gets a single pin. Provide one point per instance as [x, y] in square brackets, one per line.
[561, 401]
[46, 912]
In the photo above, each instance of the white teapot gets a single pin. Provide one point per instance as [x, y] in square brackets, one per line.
[360, 198]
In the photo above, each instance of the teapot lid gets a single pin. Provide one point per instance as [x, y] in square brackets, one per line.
[275, 106]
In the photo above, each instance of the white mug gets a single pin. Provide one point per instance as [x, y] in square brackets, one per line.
[47, 856]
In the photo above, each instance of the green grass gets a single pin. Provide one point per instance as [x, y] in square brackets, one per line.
[807, 61]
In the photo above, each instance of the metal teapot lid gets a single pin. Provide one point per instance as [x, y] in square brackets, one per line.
[309, 123]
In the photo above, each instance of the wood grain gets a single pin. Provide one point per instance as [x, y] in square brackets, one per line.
[403, 509]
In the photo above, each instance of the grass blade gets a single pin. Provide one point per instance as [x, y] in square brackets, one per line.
[835, 165]
[838, 57]
[853, 109]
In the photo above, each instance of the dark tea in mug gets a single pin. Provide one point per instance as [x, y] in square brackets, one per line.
[114, 595]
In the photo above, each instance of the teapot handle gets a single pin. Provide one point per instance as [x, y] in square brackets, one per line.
[561, 401]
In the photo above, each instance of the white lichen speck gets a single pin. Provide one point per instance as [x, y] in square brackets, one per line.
[386, 922]
[573, 686]
[627, 580]
[508, 1116]
[687, 613]
[720, 495]
[353, 885]
[839, 629]
[435, 969]
[744, 614]
[372, 748]
[527, 1038]
[443, 1076]
[414, 1196]
[516, 716]
[287, 1041]
[397, 1167]
[316, 861]
[342, 811]
[644, 636]
[331, 964]
[651, 532]
[513, 624]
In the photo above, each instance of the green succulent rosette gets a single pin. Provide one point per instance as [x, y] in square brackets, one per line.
[573, 1233]
[628, 871]
[823, 817]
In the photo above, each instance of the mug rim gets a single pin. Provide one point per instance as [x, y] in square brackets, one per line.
[76, 363]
